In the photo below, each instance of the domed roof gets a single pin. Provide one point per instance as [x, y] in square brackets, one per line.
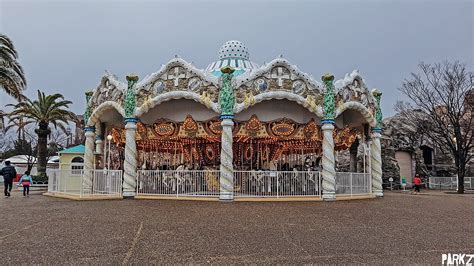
[233, 49]
[234, 54]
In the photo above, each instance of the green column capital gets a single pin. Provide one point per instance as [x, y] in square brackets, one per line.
[378, 110]
[88, 112]
[329, 102]
[130, 99]
[226, 93]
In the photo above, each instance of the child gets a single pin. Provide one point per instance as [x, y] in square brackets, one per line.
[26, 181]
[417, 182]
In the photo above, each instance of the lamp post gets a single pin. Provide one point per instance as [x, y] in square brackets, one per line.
[109, 138]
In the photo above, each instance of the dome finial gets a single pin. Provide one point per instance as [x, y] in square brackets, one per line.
[234, 49]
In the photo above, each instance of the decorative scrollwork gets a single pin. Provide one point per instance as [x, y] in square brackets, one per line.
[253, 125]
[190, 126]
[164, 129]
[282, 128]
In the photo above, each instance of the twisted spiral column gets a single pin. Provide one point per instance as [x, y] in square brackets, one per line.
[328, 173]
[130, 163]
[99, 140]
[88, 160]
[99, 145]
[376, 164]
[227, 159]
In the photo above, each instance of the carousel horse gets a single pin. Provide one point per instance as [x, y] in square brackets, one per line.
[257, 180]
[294, 179]
[273, 174]
[168, 180]
[311, 179]
[179, 177]
[212, 181]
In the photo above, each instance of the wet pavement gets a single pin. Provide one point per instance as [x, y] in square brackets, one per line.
[400, 228]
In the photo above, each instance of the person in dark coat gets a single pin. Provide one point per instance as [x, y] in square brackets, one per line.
[9, 173]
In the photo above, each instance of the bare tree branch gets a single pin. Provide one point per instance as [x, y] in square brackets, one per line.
[441, 106]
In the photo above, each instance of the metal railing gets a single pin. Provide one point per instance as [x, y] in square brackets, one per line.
[353, 183]
[449, 183]
[178, 183]
[276, 184]
[62, 181]
[70, 182]
[104, 182]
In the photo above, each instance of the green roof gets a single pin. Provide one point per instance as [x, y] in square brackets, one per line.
[79, 149]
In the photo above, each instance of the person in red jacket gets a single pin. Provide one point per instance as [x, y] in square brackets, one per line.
[417, 183]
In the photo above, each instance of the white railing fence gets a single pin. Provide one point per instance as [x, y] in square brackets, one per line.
[183, 183]
[276, 183]
[63, 181]
[449, 183]
[353, 183]
[104, 182]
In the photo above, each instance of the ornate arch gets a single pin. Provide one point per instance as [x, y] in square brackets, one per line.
[363, 110]
[308, 102]
[175, 95]
[278, 80]
[99, 110]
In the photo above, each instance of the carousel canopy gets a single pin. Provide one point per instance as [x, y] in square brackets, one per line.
[355, 104]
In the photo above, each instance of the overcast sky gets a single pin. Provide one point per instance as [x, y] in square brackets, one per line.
[65, 46]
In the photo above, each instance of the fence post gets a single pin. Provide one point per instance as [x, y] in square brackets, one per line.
[350, 182]
[278, 185]
[138, 181]
[319, 184]
[82, 184]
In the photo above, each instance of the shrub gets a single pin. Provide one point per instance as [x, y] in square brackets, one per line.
[43, 178]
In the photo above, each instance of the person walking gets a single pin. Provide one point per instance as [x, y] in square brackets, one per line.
[9, 173]
[26, 181]
[417, 182]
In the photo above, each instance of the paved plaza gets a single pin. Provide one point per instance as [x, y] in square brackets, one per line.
[399, 228]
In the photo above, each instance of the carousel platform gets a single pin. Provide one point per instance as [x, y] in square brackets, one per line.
[190, 198]
[82, 197]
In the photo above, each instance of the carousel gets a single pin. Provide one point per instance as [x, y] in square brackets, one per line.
[234, 129]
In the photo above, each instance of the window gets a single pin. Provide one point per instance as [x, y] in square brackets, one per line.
[77, 165]
[77, 160]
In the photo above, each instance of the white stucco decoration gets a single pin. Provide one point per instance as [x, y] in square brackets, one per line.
[348, 79]
[345, 85]
[103, 107]
[358, 107]
[110, 88]
[167, 96]
[147, 81]
[280, 61]
[279, 95]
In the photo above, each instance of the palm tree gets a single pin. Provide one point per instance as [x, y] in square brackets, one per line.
[2, 121]
[12, 77]
[17, 123]
[46, 110]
